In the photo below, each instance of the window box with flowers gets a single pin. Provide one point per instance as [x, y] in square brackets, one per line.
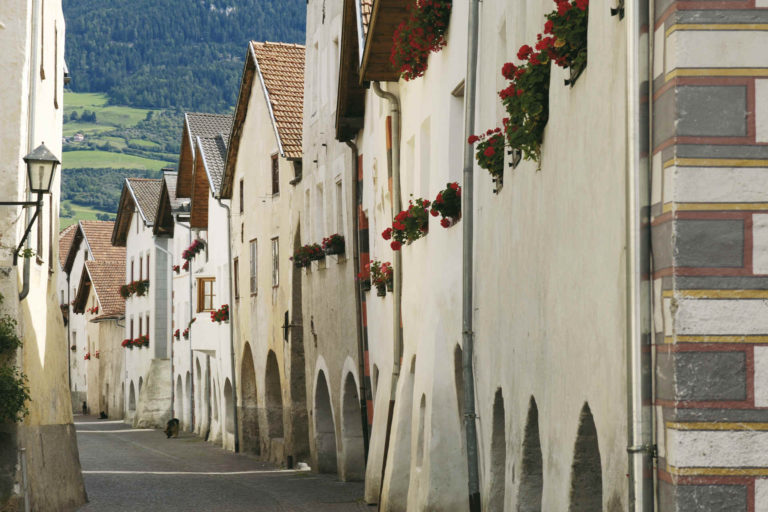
[186, 333]
[364, 278]
[382, 277]
[447, 204]
[87, 356]
[422, 33]
[127, 343]
[177, 334]
[567, 42]
[141, 341]
[409, 225]
[305, 255]
[94, 310]
[334, 244]
[177, 269]
[489, 154]
[138, 288]
[96, 354]
[193, 250]
[221, 314]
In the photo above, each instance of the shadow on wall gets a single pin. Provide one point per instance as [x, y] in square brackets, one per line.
[496, 492]
[586, 471]
[532, 477]
[249, 414]
[325, 432]
[353, 457]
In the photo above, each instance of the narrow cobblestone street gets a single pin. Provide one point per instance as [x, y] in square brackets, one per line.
[140, 470]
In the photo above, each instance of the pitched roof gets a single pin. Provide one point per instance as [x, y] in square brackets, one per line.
[98, 234]
[214, 152]
[107, 277]
[207, 125]
[281, 67]
[171, 179]
[366, 7]
[146, 193]
[66, 236]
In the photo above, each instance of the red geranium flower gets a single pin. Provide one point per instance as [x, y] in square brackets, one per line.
[489, 151]
[445, 223]
[524, 52]
[395, 245]
[387, 234]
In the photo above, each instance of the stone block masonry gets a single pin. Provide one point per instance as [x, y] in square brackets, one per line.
[709, 222]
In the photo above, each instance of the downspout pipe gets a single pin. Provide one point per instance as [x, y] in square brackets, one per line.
[31, 134]
[470, 416]
[231, 325]
[397, 206]
[359, 299]
[639, 414]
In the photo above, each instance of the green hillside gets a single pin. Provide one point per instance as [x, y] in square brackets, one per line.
[171, 53]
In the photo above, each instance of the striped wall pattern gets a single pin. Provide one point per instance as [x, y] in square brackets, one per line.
[709, 219]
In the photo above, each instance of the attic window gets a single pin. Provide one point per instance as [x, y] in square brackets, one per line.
[275, 175]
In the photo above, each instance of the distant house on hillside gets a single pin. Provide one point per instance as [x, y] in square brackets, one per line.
[79, 137]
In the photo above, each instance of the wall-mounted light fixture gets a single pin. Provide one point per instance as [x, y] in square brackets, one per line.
[41, 167]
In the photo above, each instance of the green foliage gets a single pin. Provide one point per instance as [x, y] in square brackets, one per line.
[527, 102]
[14, 395]
[9, 339]
[98, 188]
[164, 53]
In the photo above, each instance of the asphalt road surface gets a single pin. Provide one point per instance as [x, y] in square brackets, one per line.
[140, 470]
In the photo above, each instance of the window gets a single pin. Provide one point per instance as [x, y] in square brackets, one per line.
[275, 175]
[131, 337]
[254, 259]
[131, 280]
[275, 262]
[62, 298]
[241, 196]
[148, 266]
[147, 323]
[141, 268]
[141, 326]
[242, 232]
[339, 209]
[205, 294]
[236, 271]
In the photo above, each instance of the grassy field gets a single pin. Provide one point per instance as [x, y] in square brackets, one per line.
[81, 213]
[116, 128]
[96, 159]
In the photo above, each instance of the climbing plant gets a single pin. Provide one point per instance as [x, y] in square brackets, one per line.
[14, 393]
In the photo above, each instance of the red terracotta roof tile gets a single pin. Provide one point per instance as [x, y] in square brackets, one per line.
[66, 236]
[282, 69]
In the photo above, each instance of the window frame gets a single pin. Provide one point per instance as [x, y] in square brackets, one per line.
[275, 262]
[236, 277]
[201, 295]
[275, 172]
[253, 248]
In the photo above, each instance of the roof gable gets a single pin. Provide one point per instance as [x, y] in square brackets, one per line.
[66, 236]
[197, 124]
[139, 194]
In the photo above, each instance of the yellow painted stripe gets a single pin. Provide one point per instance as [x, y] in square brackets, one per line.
[669, 340]
[711, 425]
[709, 207]
[715, 72]
[717, 471]
[716, 26]
[716, 162]
[716, 294]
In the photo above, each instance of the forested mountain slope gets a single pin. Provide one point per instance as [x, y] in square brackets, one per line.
[171, 53]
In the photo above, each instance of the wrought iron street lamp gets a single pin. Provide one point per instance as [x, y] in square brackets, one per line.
[41, 168]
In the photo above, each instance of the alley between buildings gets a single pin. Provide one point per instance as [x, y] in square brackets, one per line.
[140, 470]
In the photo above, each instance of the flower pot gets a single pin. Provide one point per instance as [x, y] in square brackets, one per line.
[365, 285]
[381, 290]
[390, 285]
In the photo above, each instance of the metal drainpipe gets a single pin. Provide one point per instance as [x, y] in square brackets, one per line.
[359, 299]
[31, 134]
[639, 328]
[231, 325]
[397, 354]
[470, 416]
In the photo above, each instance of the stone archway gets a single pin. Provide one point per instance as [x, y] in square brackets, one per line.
[274, 397]
[198, 397]
[397, 477]
[229, 409]
[325, 430]
[132, 398]
[249, 412]
[299, 422]
[178, 400]
[496, 491]
[352, 451]
[187, 393]
[532, 476]
[586, 471]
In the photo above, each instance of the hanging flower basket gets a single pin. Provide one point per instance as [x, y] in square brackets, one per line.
[185, 266]
[447, 204]
[382, 276]
[334, 244]
[422, 33]
[409, 225]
